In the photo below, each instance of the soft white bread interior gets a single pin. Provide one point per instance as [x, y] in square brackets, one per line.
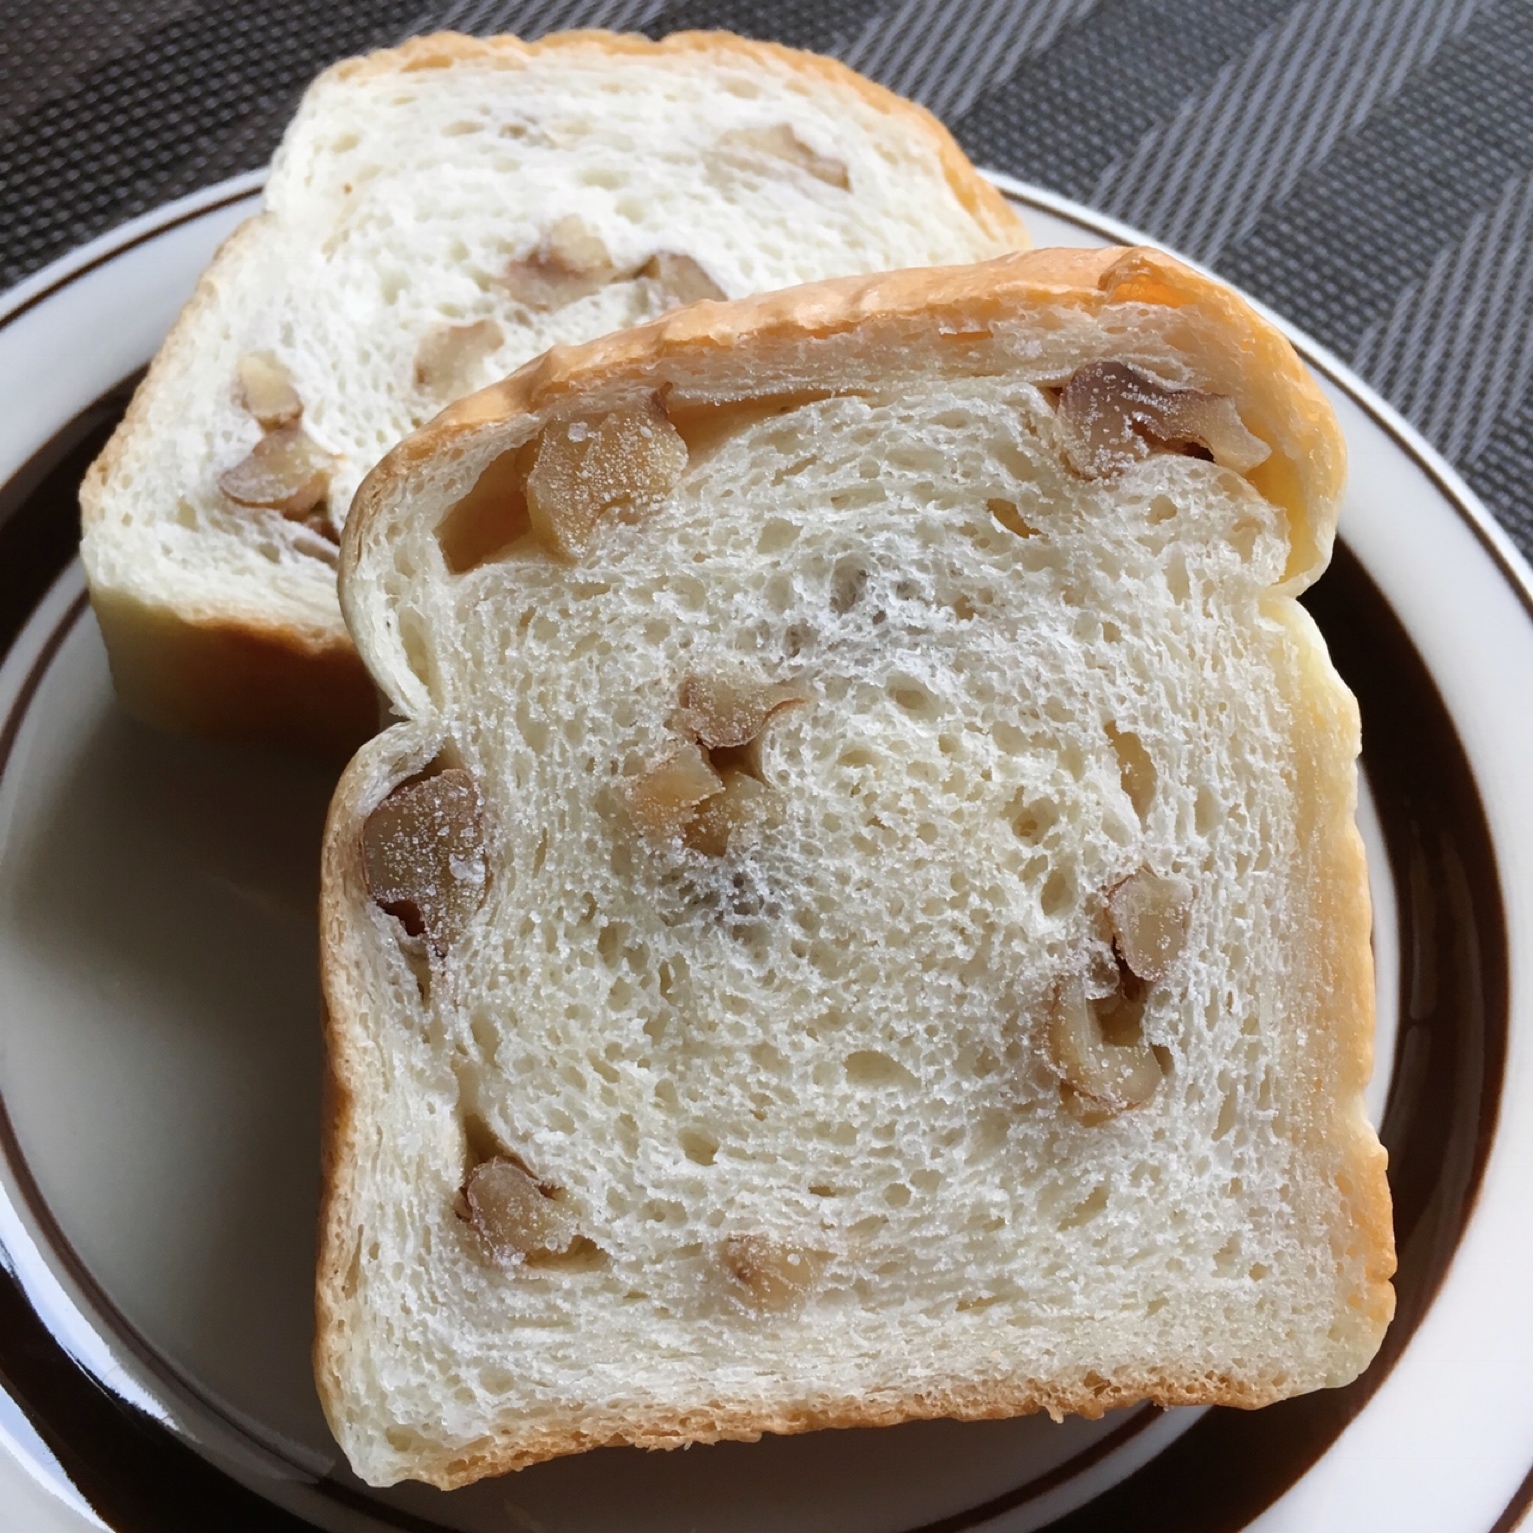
[436, 216]
[862, 916]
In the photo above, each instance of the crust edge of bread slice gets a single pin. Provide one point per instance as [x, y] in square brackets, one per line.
[232, 677]
[1277, 400]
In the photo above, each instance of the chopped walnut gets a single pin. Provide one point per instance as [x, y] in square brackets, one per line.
[624, 461]
[769, 1274]
[1111, 414]
[680, 277]
[514, 1214]
[780, 142]
[722, 711]
[665, 799]
[423, 856]
[711, 786]
[740, 799]
[449, 360]
[266, 390]
[1150, 915]
[570, 263]
[319, 523]
[284, 471]
[1096, 1047]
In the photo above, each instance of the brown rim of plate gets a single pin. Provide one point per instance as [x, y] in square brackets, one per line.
[1438, 1125]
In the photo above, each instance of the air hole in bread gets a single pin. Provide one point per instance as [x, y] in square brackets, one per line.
[482, 1143]
[414, 641]
[1136, 771]
[776, 536]
[699, 1147]
[1229, 1107]
[1243, 536]
[353, 1270]
[914, 697]
[1058, 894]
[1089, 1207]
[797, 638]
[848, 581]
[1178, 582]
[874, 1069]
[1010, 517]
[485, 1028]
[1031, 818]
[1208, 812]
[581, 1255]
[492, 519]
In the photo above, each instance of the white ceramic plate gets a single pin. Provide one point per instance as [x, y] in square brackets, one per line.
[160, 1057]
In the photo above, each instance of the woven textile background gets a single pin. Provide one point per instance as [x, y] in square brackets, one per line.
[1363, 166]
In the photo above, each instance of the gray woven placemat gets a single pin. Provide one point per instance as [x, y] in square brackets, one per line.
[1363, 166]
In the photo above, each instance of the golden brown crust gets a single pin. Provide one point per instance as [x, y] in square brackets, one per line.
[235, 681]
[1091, 1398]
[345, 975]
[1340, 997]
[344, 988]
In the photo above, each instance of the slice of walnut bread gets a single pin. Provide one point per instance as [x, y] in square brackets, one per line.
[862, 916]
[435, 217]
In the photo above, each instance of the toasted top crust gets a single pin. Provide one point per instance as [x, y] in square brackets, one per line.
[1131, 303]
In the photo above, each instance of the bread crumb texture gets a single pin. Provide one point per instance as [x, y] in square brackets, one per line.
[980, 1021]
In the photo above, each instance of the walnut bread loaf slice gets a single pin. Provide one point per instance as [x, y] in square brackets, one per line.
[436, 216]
[861, 917]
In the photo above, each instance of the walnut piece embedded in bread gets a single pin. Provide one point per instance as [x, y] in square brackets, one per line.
[922, 873]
